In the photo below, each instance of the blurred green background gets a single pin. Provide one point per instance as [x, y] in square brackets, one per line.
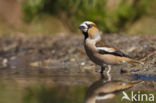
[63, 16]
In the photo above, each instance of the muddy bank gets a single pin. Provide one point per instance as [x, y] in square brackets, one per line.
[65, 55]
[65, 51]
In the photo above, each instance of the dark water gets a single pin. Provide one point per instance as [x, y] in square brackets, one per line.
[144, 77]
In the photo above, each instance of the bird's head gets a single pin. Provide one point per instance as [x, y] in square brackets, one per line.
[89, 29]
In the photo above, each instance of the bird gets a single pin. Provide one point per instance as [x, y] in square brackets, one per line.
[103, 90]
[99, 51]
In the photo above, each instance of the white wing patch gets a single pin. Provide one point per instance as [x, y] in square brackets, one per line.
[107, 96]
[105, 49]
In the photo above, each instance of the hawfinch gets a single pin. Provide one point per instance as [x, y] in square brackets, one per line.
[98, 51]
[101, 91]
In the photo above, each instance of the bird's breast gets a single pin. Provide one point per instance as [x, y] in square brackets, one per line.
[91, 53]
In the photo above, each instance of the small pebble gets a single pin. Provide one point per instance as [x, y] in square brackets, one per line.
[83, 63]
[4, 62]
[72, 59]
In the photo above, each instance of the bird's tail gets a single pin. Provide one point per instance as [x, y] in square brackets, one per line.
[142, 60]
[129, 60]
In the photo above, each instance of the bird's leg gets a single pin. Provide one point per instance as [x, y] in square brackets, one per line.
[102, 76]
[108, 73]
[102, 69]
[109, 69]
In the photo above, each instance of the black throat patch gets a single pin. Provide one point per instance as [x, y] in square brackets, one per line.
[85, 35]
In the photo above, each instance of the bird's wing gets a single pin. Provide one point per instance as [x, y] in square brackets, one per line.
[102, 45]
[104, 48]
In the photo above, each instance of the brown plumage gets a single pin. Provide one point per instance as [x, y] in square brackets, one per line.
[102, 91]
[102, 43]
[98, 51]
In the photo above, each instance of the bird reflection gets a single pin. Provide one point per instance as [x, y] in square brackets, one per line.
[104, 89]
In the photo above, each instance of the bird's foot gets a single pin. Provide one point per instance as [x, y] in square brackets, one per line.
[101, 72]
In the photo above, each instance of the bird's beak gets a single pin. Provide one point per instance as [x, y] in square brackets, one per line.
[83, 27]
[80, 27]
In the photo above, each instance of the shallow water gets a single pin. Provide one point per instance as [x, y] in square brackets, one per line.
[21, 86]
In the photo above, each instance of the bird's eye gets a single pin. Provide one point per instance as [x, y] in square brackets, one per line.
[90, 25]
